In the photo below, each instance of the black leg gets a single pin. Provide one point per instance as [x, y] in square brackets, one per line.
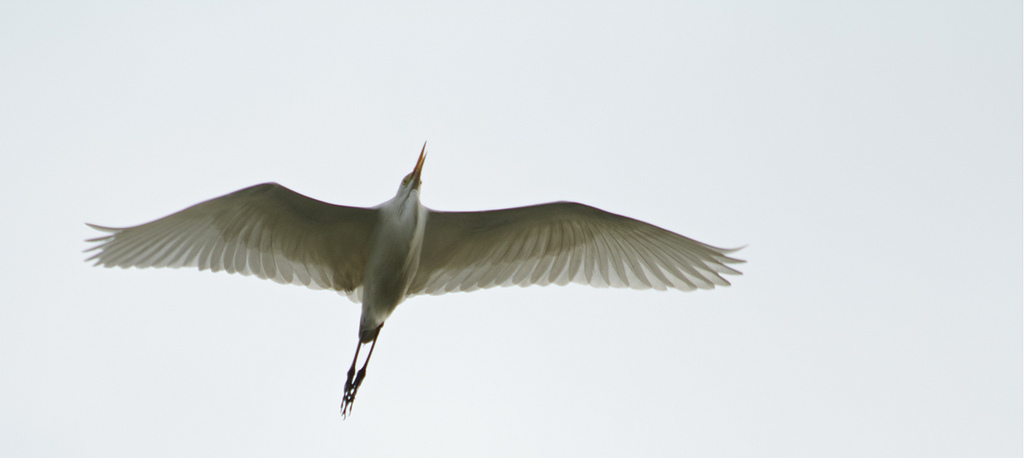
[352, 385]
[350, 394]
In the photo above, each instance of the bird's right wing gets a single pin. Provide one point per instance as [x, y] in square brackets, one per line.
[265, 230]
[560, 243]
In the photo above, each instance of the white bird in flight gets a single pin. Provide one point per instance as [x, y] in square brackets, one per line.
[382, 255]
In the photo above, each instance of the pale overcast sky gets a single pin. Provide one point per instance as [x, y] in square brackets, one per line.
[868, 154]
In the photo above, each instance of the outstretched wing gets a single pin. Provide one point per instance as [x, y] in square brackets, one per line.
[560, 243]
[265, 230]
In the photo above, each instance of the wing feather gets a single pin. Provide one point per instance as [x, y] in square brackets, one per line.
[560, 243]
[265, 230]
[560, 259]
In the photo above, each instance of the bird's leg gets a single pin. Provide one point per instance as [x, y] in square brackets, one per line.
[362, 371]
[346, 400]
[352, 385]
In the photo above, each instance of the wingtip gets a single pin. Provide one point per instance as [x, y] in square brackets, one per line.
[99, 241]
[102, 228]
[111, 231]
[729, 251]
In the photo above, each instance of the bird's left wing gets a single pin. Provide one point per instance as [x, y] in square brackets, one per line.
[559, 243]
[265, 230]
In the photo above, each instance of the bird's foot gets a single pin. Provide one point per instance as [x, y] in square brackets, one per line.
[351, 387]
[346, 404]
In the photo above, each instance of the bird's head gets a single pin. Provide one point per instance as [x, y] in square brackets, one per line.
[412, 180]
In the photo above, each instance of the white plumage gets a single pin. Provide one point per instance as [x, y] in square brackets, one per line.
[384, 254]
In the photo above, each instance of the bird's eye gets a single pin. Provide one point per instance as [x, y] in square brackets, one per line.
[406, 179]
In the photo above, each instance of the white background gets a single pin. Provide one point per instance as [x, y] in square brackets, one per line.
[867, 153]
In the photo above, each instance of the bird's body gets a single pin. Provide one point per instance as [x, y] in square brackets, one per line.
[394, 259]
[385, 254]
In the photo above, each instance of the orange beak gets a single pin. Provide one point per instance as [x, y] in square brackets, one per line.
[419, 166]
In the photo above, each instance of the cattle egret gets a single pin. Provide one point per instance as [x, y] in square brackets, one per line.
[382, 255]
